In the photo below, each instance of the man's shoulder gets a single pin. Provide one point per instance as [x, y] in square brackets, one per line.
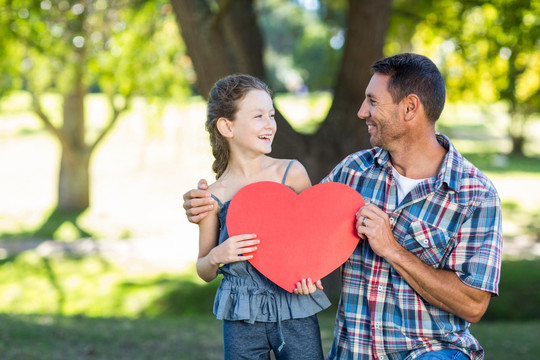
[362, 159]
[353, 165]
[474, 180]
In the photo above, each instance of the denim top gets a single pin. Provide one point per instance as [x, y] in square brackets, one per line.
[247, 295]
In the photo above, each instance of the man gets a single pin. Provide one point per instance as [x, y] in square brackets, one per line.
[430, 257]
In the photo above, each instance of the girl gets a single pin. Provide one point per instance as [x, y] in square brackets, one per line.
[258, 316]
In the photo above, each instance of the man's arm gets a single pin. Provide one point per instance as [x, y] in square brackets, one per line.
[441, 288]
[198, 202]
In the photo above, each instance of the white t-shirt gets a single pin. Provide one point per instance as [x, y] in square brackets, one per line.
[404, 184]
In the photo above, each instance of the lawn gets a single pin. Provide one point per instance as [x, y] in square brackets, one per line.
[191, 337]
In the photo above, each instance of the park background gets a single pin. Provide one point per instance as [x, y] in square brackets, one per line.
[102, 131]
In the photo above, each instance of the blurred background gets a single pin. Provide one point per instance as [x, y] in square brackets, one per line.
[102, 110]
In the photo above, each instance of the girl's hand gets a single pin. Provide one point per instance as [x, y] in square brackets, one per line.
[306, 287]
[233, 249]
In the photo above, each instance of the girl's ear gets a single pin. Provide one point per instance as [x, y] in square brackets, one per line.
[224, 126]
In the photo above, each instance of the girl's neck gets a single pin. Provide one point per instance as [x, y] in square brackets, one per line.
[244, 169]
[240, 173]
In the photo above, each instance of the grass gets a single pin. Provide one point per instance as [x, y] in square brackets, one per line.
[107, 314]
[68, 285]
[45, 337]
[191, 337]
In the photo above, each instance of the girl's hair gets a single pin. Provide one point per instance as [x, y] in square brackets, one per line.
[223, 102]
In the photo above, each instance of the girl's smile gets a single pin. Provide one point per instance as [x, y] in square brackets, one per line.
[254, 120]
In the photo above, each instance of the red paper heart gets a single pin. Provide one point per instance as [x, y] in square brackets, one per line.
[302, 236]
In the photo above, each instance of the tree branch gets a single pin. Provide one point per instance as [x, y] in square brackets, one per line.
[113, 120]
[46, 121]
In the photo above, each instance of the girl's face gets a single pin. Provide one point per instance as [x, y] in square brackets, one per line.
[254, 126]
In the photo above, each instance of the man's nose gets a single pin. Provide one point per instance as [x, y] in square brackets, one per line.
[363, 112]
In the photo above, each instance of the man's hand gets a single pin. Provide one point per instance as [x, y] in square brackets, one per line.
[373, 224]
[198, 202]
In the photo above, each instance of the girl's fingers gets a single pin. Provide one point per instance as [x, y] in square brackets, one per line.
[243, 237]
[247, 250]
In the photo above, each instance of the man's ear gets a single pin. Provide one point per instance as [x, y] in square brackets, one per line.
[224, 126]
[411, 106]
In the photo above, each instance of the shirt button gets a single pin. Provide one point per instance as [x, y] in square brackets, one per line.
[381, 288]
[392, 220]
[426, 241]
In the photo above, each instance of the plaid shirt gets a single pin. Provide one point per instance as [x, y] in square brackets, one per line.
[451, 221]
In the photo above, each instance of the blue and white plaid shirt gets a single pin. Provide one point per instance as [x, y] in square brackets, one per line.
[451, 221]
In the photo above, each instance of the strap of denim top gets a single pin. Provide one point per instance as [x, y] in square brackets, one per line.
[287, 171]
[218, 201]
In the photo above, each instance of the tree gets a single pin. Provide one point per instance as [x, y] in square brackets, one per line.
[488, 51]
[223, 37]
[67, 47]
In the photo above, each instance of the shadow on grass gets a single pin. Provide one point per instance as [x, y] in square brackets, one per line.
[58, 218]
[184, 295]
[518, 300]
[49, 228]
[45, 337]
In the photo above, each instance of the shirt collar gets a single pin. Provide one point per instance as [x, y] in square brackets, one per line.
[452, 166]
[450, 170]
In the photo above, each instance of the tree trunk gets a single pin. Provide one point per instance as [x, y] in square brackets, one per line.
[74, 177]
[518, 143]
[342, 133]
[74, 182]
[220, 43]
[229, 41]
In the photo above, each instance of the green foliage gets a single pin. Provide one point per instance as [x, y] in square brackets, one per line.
[298, 44]
[488, 51]
[121, 46]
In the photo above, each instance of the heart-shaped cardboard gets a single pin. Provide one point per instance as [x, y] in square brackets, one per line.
[302, 236]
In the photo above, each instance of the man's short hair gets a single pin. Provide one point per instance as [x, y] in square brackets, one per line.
[414, 74]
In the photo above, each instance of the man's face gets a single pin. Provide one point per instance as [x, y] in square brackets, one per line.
[381, 113]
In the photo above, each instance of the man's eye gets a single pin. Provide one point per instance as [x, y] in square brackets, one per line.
[372, 101]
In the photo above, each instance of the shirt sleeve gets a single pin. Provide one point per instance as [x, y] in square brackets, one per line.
[477, 256]
[335, 174]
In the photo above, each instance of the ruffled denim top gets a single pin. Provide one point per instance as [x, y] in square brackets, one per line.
[247, 295]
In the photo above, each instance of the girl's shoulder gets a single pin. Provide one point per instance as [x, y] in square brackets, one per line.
[293, 174]
[218, 191]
